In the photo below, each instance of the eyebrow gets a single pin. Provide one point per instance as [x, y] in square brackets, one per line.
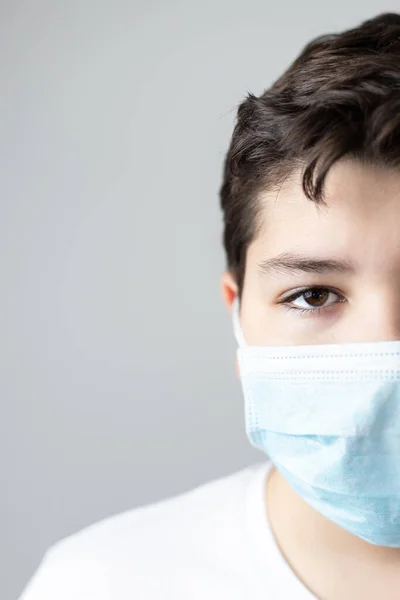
[289, 263]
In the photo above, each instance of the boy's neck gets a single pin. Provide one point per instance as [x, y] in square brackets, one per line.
[332, 563]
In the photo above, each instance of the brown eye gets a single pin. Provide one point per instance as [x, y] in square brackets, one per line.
[313, 299]
[316, 297]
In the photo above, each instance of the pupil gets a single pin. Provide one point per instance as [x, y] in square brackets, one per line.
[317, 297]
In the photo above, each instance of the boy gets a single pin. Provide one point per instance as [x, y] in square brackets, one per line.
[311, 202]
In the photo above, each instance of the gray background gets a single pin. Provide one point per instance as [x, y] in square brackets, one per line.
[117, 358]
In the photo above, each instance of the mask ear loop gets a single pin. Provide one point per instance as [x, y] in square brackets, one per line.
[236, 324]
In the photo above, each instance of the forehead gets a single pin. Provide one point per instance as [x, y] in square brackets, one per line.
[360, 218]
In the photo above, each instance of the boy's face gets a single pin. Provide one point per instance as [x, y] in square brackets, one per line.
[347, 250]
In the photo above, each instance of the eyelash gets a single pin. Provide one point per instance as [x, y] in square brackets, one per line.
[310, 311]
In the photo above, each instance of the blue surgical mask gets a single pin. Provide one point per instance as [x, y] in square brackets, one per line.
[328, 416]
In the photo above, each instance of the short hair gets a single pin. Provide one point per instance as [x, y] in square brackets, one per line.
[340, 97]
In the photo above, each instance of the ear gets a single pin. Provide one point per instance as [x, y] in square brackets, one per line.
[229, 289]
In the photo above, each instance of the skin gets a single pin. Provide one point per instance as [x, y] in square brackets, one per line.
[357, 300]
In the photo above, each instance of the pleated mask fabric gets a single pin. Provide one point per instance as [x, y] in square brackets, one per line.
[328, 417]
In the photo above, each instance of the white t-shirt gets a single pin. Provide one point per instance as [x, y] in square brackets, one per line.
[212, 543]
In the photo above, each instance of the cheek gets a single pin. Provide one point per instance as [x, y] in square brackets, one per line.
[264, 323]
[259, 325]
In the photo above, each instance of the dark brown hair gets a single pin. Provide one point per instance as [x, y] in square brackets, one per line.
[340, 97]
